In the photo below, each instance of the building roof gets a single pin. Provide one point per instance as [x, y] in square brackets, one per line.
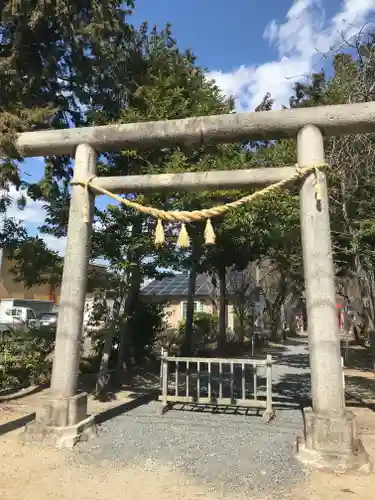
[177, 285]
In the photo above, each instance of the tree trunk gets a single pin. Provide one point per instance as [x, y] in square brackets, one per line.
[367, 285]
[356, 334]
[365, 274]
[222, 308]
[130, 306]
[214, 295]
[188, 343]
[273, 326]
[275, 312]
[189, 324]
[132, 297]
[103, 375]
[242, 323]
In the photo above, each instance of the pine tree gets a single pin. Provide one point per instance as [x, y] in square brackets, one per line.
[54, 56]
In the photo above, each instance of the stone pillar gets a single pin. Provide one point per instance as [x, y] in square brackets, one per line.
[64, 416]
[330, 432]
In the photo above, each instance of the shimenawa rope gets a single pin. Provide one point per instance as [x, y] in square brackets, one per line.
[185, 216]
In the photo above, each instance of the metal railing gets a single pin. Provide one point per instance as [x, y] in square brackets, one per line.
[207, 381]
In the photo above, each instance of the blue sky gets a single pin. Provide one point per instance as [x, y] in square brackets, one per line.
[248, 47]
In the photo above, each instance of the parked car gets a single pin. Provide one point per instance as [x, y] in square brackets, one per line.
[48, 320]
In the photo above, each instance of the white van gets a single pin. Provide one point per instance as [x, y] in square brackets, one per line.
[38, 306]
[18, 317]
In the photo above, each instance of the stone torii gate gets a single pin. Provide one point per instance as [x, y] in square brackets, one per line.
[330, 432]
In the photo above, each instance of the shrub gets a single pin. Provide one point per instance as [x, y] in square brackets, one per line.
[206, 325]
[145, 325]
[205, 328]
[25, 358]
[171, 339]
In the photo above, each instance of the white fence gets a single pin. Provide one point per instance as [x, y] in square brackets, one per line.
[207, 381]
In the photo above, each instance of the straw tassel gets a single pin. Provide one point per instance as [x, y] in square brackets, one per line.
[183, 240]
[318, 187]
[209, 233]
[159, 233]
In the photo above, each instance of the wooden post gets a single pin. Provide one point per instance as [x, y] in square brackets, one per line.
[255, 381]
[187, 378]
[209, 381]
[165, 380]
[176, 378]
[161, 369]
[231, 382]
[243, 373]
[220, 380]
[269, 384]
[198, 380]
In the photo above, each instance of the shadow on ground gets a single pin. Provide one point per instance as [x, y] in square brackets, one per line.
[360, 392]
[20, 393]
[139, 387]
[294, 389]
[18, 423]
[357, 357]
[138, 380]
[139, 400]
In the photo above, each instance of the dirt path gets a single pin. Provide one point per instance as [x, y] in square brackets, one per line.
[34, 472]
[30, 472]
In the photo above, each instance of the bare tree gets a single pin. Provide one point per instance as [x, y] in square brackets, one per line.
[352, 192]
[241, 288]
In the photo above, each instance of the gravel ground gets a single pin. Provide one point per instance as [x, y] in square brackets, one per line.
[227, 452]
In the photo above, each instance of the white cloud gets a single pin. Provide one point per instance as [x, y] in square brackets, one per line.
[301, 40]
[33, 212]
[33, 215]
[56, 244]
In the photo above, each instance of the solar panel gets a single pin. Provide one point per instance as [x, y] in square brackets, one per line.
[180, 287]
[177, 285]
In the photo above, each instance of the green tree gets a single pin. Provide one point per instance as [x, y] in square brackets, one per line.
[170, 85]
[56, 58]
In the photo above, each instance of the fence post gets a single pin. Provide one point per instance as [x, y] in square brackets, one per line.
[177, 381]
[269, 413]
[165, 378]
[243, 379]
[161, 369]
[255, 381]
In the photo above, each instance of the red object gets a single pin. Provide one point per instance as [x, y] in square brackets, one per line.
[338, 307]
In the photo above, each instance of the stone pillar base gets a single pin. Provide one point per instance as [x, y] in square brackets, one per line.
[332, 444]
[62, 422]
